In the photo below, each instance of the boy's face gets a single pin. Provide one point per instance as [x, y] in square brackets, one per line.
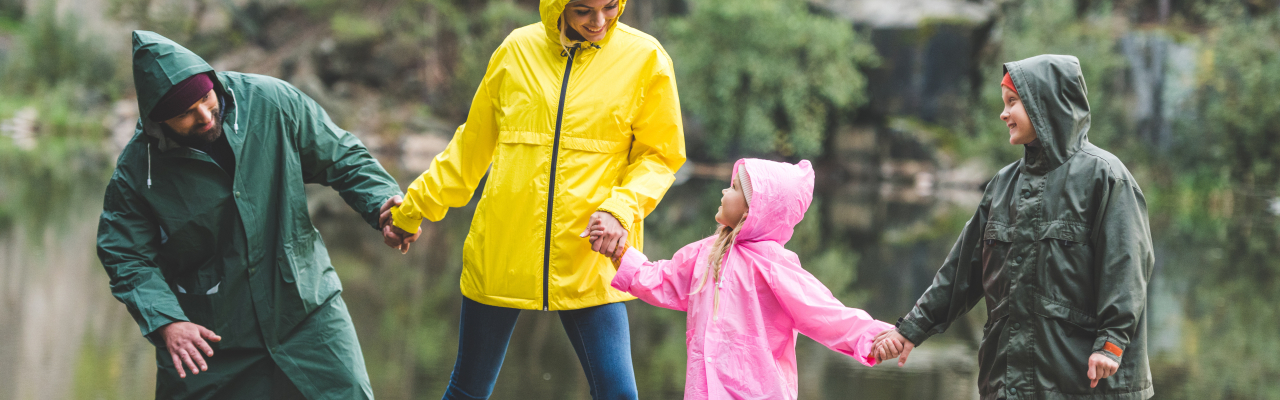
[733, 204]
[1015, 117]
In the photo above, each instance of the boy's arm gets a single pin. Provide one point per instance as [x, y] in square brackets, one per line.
[956, 288]
[1124, 258]
[664, 283]
[820, 316]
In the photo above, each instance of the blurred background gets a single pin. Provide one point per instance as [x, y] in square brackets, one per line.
[896, 102]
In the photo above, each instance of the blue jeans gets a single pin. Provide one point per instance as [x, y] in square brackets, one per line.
[599, 335]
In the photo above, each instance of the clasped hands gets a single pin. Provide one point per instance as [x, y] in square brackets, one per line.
[392, 235]
[607, 235]
[890, 344]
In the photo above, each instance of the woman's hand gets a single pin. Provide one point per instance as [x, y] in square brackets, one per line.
[607, 235]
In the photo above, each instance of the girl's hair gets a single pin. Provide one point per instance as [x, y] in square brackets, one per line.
[725, 235]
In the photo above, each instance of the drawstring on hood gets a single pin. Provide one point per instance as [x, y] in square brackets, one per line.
[1054, 94]
[158, 65]
[552, 10]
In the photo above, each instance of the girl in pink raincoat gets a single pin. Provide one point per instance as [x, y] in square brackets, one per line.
[747, 296]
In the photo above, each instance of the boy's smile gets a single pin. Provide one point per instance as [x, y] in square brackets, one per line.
[1015, 117]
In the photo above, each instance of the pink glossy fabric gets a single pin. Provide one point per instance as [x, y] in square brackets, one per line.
[747, 349]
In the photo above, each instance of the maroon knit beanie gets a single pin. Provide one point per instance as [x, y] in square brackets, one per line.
[181, 97]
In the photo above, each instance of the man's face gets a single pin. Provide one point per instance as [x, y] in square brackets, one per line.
[201, 124]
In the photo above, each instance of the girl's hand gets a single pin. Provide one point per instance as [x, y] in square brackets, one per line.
[607, 235]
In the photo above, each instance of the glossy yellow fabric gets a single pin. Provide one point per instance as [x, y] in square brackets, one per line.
[621, 140]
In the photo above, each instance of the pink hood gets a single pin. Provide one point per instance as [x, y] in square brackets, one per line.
[780, 194]
[746, 350]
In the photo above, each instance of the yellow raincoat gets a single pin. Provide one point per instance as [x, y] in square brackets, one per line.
[567, 132]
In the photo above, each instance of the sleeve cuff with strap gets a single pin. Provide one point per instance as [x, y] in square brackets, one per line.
[1110, 347]
[403, 221]
[908, 329]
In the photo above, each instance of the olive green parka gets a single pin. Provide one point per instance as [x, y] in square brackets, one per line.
[183, 240]
[1059, 249]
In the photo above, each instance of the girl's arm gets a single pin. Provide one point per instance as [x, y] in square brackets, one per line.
[820, 316]
[663, 283]
[452, 178]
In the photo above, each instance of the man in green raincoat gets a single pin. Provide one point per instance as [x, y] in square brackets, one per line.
[207, 241]
[1059, 249]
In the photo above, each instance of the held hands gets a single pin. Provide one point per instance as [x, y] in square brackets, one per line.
[1100, 367]
[607, 235]
[891, 344]
[185, 342]
[393, 236]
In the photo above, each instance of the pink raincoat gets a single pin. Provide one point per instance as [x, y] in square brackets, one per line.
[746, 349]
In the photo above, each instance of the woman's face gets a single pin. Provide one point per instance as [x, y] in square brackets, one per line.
[1015, 117]
[733, 204]
[591, 18]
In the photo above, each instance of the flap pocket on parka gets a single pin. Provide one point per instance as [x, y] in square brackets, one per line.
[566, 142]
[1050, 308]
[1063, 230]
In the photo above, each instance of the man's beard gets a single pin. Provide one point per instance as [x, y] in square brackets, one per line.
[194, 138]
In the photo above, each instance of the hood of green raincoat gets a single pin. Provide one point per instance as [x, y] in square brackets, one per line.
[158, 64]
[552, 9]
[1053, 92]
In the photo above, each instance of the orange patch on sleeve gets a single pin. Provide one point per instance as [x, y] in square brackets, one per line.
[1111, 347]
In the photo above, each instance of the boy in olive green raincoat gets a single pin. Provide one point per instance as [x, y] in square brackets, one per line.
[207, 241]
[1059, 249]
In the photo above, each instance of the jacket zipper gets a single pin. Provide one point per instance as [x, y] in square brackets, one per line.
[551, 185]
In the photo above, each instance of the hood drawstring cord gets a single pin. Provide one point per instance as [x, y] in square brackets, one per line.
[148, 165]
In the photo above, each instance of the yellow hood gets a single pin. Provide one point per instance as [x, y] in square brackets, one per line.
[552, 9]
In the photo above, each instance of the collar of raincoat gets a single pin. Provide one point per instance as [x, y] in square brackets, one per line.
[780, 195]
[158, 64]
[552, 9]
[1054, 94]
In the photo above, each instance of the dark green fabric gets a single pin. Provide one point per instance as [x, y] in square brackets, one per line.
[173, 221]
[1060, 251]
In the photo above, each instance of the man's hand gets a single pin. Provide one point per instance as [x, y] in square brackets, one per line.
[185, 342]
[607, 235]
[393, 236]
[1100, 367]
[890, 344]
[384, 214]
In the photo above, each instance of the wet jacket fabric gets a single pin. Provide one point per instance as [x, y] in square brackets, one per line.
[182, 240]
[746, 348]
[563, 133]
[1060, 252]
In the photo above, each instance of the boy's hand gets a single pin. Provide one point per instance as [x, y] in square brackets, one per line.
[607, 235]
[890, 344]
[1100, 367]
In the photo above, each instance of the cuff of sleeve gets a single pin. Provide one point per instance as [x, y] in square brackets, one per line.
[1109, 347]
[623, 218]
[158, 319]
[908, 329]
[405, 222]
[631, 262]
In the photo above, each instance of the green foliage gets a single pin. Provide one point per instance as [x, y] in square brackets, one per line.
[766, 76]
[52, 49]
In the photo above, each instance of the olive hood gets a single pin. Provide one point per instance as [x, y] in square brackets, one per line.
[1054, 94]
[158, 65]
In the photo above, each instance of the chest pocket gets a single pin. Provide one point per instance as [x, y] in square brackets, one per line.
[1066, 273]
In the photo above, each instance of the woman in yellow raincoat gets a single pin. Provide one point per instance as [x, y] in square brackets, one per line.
[577, 121]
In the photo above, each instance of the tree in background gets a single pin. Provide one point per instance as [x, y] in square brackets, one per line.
[765, 76]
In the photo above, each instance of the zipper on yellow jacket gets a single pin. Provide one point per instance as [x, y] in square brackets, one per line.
[551, 185]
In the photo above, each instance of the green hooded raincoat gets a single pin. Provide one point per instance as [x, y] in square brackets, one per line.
[1059, 249]
[183, 240]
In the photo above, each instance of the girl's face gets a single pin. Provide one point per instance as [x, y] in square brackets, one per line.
[1015, 116]
[591, 18]
[733, 205]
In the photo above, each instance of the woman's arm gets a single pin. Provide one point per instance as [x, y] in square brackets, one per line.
[656, 152]
[454, 174]
[663, 283]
